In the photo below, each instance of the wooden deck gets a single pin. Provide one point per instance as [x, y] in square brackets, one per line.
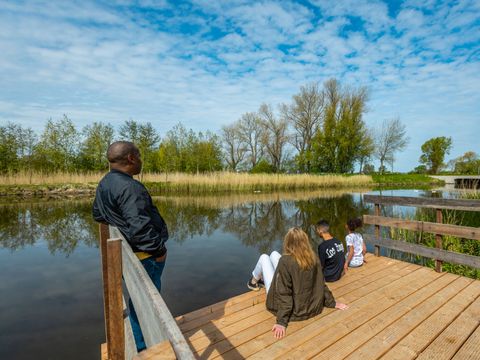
[397, 311]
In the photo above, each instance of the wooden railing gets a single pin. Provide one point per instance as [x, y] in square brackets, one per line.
[436, 228]
[156, 321]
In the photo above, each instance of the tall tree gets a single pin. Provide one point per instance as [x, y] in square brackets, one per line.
[93, 150]
[433, 152]
[250, 131]
[390, 138]
[305, 115]
[343, 138]
[275, 136]
[233, 146]
[58, 146]
[9, 148]
[145, 137]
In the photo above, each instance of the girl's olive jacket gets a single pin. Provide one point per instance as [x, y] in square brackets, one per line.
[297, 294]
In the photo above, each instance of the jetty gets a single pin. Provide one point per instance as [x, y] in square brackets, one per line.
[397, 310]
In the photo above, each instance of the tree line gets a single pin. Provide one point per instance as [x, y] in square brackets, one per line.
[322, 130]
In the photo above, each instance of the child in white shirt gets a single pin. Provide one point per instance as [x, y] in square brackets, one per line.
[355, 245]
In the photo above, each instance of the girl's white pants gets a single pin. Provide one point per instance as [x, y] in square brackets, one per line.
[265, 268]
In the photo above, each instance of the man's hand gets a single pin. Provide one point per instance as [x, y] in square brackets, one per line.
[279, 331]
[341, 306]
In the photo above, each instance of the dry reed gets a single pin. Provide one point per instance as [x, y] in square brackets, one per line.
[202, 183]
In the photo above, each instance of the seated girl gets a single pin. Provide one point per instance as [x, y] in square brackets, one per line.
[356, 248]
[294, 282]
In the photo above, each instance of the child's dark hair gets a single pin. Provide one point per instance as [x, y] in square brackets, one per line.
[354, 224]
[323, 225]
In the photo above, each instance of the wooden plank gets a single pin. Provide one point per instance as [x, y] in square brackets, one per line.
[384, 340]
[312, 339]
[418, 339]
[471, 348]
[155, 319]
[301, 332]
[116, 346]
[200, 343]
[339, 290]
[434, 203]
[130, 346]
[197, 320]
[162, 351]
[424, 226]
[341, 348]
[104, 236]
[104, 351]
[446, 345]
[433, 253]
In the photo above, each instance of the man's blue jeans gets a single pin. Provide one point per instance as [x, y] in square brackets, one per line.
[154, 270]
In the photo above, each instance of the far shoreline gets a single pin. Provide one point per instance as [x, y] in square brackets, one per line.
[221, 183]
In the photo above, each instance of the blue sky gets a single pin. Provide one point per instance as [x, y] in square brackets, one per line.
[204, 63]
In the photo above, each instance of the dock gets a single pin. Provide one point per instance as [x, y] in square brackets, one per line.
[397, 310]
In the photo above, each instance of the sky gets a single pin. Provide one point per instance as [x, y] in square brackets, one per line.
[204, 63]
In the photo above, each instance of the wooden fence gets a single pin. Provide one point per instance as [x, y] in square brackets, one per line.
[156, 321]
[436, 228]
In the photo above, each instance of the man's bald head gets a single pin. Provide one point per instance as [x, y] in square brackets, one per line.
[119, 151]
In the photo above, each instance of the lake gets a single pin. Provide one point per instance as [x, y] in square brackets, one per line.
[50, 279]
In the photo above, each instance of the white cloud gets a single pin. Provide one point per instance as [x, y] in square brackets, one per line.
[111, 63]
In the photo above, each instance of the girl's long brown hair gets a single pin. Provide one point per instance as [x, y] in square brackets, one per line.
[297, 245]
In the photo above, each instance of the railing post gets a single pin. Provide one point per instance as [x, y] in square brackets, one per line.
[115, 324]
[377, 230]
[438, 241]
[104, 235]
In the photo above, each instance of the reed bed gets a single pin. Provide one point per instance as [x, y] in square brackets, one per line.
[199, 183]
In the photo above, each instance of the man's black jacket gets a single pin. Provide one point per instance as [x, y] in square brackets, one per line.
[124, 202]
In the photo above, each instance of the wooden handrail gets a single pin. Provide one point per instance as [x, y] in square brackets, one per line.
[437, 228]
[433, 203]
[156, 321]
[465, 232]
[429, 252]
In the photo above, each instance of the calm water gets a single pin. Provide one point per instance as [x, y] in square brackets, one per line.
[50, 284]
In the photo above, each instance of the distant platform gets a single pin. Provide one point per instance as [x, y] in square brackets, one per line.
[397, 311]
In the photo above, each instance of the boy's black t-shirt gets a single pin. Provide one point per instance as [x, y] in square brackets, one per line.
[332, 257]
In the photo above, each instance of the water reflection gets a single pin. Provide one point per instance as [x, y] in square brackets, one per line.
[62, 225]
[256, 220]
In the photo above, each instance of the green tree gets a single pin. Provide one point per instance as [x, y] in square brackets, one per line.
[93, 150]
[468, 163]
[146, 138]
[58, 146]
[9, 148]
[434, 151]
[343, 140]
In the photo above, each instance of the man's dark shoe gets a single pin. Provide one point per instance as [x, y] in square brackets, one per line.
[261, 283]
[253, 286]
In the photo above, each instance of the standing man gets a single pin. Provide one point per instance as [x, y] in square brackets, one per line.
[124, 202]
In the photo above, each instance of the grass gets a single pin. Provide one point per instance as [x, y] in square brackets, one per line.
[405, 179]
[161, 183]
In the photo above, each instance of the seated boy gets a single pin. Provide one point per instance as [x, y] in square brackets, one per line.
[330, 252]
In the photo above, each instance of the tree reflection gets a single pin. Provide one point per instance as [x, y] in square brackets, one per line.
[64, 225]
